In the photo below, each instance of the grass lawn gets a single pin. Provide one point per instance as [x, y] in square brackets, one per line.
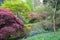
[45, 36]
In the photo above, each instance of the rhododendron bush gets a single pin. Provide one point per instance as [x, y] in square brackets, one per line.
[10, 25]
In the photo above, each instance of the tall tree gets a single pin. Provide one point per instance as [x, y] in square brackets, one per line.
[54, 4]
[55, 10]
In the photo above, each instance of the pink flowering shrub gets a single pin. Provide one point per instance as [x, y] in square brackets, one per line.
[37, 16]
[10, 24]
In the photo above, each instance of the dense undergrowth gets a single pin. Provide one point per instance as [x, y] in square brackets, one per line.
[35, 24]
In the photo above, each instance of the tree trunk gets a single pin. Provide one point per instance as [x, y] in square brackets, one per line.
[54, 19]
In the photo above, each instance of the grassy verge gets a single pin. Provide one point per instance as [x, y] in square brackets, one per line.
[45, 36]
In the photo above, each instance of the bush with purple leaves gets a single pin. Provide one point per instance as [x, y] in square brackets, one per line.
[10, 24]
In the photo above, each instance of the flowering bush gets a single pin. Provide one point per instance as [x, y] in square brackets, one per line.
[37, 16]
[10, 24]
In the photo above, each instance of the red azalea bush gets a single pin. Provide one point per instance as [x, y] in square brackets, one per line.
[10, 24]
[37, 16]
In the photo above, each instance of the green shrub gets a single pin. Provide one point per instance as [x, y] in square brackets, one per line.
[16, 6]
[29, 2]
